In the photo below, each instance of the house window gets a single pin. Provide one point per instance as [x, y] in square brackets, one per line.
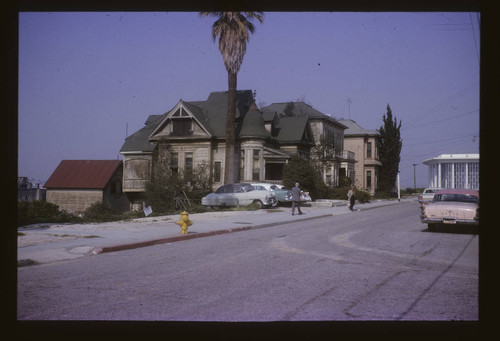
[368, 149]
[256, 165]
[174, 162]
[217, 171]
[368, 179]
[181, 126]
[242, 165]
[188, 162]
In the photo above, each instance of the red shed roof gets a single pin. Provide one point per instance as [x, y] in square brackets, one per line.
[93, 174]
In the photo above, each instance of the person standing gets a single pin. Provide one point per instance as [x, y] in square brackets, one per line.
[351, 196]
[296, 198]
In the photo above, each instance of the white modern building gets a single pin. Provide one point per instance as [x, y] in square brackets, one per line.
[454, 171]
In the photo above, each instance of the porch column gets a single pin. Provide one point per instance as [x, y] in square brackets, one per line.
[467, 175]
[439, 175]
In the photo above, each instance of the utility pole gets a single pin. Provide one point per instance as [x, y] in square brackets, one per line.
[414, 181]
[399, 189]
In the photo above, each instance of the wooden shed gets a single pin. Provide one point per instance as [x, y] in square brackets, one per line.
[77, 184]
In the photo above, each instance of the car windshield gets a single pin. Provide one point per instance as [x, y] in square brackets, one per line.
[456, 197]
[248, 188]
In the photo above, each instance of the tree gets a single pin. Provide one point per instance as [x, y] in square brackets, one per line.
[233, 30]
[302, 171]
[389, 149]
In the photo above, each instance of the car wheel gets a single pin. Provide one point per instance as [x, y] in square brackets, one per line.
[258, 203]
[431, 227]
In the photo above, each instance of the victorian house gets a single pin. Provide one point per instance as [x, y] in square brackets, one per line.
[363, 143]
[193, 133]
[328, 137]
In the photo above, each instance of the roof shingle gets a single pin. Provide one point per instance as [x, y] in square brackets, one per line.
[82, 174]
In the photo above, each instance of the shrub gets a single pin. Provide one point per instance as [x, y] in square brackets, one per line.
[41, 212]
[42, 209]
[301, 170]
[363, 196]
[165, 186]
[99, 211]
[340, 193]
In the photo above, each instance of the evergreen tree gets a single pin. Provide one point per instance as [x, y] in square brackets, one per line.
[389, 149]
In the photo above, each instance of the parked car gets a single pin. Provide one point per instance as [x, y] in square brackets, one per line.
[239, 194]
[281, 194]
[451, 206]
[304, 196]
[427, 195]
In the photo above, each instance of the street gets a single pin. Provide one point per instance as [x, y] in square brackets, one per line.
[377, 264]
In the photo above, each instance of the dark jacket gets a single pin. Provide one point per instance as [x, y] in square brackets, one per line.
[296, 194]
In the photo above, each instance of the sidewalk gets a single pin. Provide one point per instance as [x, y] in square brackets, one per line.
[47, 243]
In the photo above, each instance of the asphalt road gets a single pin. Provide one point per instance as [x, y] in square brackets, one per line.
[379, 264]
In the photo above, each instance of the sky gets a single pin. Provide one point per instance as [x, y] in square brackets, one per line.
[86, 80]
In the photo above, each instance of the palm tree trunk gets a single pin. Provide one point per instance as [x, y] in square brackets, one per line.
[230, 167]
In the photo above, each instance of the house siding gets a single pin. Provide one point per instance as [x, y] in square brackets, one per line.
[364, 164]
[74, 200]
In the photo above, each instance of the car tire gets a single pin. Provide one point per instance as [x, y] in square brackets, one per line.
[258, 203]
[431, 227]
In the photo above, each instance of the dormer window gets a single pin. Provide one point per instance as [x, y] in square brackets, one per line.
[181, 123]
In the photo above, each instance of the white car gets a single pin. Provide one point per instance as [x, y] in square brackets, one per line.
[239, 194]
[281, 194]
[452, 206]
[427, 195]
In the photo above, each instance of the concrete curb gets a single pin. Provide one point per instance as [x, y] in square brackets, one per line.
[193, 236]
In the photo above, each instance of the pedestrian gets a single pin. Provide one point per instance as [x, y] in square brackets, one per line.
[296, 198]
[351, 196]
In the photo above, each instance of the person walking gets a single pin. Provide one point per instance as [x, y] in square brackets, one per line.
[296, 198]
[351, 196]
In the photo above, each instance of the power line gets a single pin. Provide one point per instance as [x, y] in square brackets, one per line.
[443, 119]
[439, 106]
[474, 35]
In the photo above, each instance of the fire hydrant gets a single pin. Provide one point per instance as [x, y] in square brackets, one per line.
[184, 222]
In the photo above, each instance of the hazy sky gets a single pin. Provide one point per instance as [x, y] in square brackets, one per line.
[85, 77]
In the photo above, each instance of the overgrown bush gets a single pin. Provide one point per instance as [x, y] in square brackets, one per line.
[363, 196]
[302, 171]
[39, 211]
[99, 211]
[167, 189]
[42, 209]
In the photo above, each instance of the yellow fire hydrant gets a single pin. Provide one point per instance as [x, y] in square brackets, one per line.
[184, 222]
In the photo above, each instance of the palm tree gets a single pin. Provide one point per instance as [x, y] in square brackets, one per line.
[233, 30]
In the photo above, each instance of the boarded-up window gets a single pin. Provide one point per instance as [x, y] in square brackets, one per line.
[174, 162]
[137, 169]
[217, 171]
[181, 127]
[188, 162]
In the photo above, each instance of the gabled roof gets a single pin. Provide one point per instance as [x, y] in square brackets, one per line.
[83, 174]
[139, 141]
[215, 109]
[292, 129]
[302, 109]
[353, 129]
[184, 109]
